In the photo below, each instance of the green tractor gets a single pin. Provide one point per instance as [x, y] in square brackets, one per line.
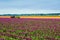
[12, 16]
[15, 17]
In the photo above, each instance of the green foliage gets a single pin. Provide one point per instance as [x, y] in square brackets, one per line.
[57, 37]
[8, 38]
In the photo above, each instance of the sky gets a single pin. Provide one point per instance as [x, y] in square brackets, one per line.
[29, 6]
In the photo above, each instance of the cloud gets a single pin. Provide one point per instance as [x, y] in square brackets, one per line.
[29, 6]
[26, 11]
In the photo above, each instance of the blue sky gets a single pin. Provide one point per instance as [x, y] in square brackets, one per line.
[29, 6]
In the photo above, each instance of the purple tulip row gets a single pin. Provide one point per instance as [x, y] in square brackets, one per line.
[30, 25]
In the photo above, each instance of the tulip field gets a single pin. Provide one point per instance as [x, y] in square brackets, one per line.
[29, 29]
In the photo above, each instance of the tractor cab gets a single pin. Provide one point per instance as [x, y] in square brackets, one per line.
[12, 16]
